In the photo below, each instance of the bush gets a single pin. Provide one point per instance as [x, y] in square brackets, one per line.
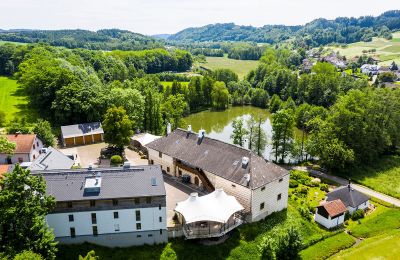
[324, 187]
[358, 214]
[305, 213]
[28, 255]
[116, 160]
[301, 177]
[293, 183]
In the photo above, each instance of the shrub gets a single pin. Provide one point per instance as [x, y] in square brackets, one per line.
[116, 160]
[304, 212]
[293, 183]
[28, 255]
[301, 177]
[289, 244]
[324, 187]
[358, 214]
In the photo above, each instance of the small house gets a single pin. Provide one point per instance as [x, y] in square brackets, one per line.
[351, 198]
[82, 134]
[330, 214]
[27, 148]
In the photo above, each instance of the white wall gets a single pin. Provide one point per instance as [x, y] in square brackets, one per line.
[33, 154]
[363, 206]
[165, 161]
[105, 221]
[270, 198]
[328, 222]
[38, 144]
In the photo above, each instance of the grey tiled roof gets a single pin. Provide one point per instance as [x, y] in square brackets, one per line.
[51, 160]
[81, 129]
[68, 185]
[217, 157]
[349, 196]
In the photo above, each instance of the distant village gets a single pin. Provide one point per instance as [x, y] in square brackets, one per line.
[183, 184]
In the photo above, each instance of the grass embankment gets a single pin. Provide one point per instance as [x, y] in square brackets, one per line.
[382, 176]
[380, 247]
[328, 247]
[386, 50]
[13, 101]
[241, 67]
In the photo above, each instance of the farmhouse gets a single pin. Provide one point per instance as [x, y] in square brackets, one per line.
[351, 198]
[261, 187]
[370, 69]
[82, 134]
[110, 207]
[51, 159]
[28, 148]
[330, 214]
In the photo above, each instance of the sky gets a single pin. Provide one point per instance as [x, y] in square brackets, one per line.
[170, 16]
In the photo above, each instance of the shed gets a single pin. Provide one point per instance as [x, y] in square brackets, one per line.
[81, 134]
[330, 214]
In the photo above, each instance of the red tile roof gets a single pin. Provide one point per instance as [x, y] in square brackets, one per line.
[334, 207]
[23, 142]
[3, 169]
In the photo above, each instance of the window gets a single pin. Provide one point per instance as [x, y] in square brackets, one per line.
[69, 204]
[150, 235]
[138, 236]
[137, 200]
[233, 185]
[20, 160]
[95, 232]
[34, 146]
[262, 205]
[151, 162]
[148, 200]
[116, 214]
[159, 206]
[71, 218]
[138, 226]
[263, 188]
[72, 232]
[160, 219]
[37, 143]
[167, 169]
[180, 173]
[94, 218]
[34, 157]
[115, 202]
[116, 227]
[92, 203]
[137, 215]
[281, 179]
[279, 196]
[160, 231]
[160, 154]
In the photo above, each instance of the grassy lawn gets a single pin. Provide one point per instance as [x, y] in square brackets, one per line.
[17, 43]
[328, 247]
[13, 101]
[381, 247]
[241, 67]
[382, 176]
[379, 222]
[169, 83]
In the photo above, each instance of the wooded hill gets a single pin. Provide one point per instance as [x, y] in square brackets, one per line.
[107, 39]
[318, 32]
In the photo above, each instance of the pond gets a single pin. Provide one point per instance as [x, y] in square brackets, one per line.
[218, 124]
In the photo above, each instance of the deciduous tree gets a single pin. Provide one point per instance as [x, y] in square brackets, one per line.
[117, 127]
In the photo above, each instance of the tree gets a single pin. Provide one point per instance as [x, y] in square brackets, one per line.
[91, 255]
[6, 147]
[324, 68]
[251, 125]
[23, 207]
[173, 109]
[219, 96]
[275, 103]
[239, 132]
[289, 244]
[259, 98]
[43, 130]
[258, 139]
[117, 127]
[18, 127]
[225, 75]
[28, 255]
[282, 132]
[267, 248]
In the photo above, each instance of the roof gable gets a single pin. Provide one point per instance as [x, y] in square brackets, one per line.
[23, 142]
[334, 208]
[51, 159]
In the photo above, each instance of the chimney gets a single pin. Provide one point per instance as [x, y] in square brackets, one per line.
[349, 185]
[127, 165]
[189, 128]
[245, 161]
[90, 167]
[168, 128]
[201, 135]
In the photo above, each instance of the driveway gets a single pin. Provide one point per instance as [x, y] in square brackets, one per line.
[360, 188]
[86, 154]
[134, 158]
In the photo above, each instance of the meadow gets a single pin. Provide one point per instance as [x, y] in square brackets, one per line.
[386, 50]
[13, 101]
[241, 67]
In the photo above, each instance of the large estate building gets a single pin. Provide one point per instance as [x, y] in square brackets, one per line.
[261, 187]
[111, 207]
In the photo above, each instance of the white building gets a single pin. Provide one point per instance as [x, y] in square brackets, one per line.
[330, 214]
[110, 207]
[370, 69]
[351, 198]
[261, 187]
[28, 148]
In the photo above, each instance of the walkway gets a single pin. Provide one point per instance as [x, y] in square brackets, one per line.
[342, 181]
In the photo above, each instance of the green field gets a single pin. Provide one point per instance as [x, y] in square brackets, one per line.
[241, 67]
[381, 247]
[13, 102]
[17, 43]
[328, 247]
[169, 83]
[382, 176]
[386, 50]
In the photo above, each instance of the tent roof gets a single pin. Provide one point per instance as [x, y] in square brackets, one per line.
[216, 206]
[145, 138]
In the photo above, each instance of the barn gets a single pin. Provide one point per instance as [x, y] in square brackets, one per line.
[82, 134]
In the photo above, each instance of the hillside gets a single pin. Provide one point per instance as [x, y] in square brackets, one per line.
[107, 39]
[318, 32]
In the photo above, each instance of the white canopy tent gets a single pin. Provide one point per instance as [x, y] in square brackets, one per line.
[216, 206]
[144, 138]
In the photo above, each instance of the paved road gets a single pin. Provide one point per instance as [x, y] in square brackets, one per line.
[360, 188]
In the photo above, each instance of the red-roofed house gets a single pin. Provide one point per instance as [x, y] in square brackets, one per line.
[28, 148]
[330, 214]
